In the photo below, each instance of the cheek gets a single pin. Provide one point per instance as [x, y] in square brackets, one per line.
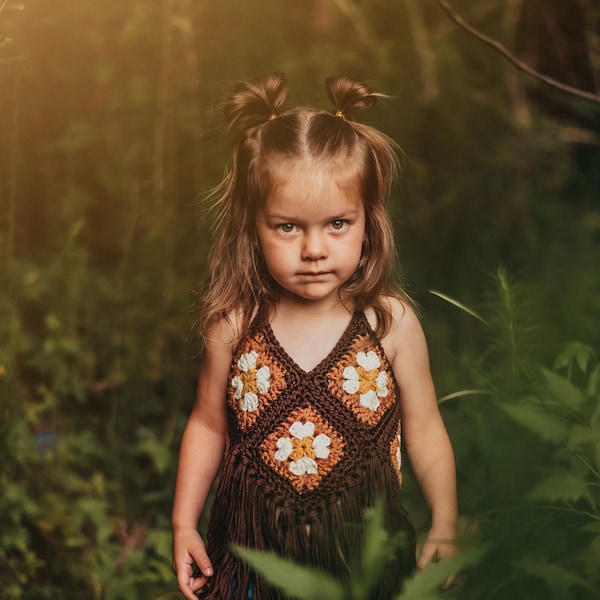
[358, 245]
[358, 255]
[274, 257]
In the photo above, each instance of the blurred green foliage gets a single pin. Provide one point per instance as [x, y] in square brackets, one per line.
[527, 441]
[305, 583]
[110, 134]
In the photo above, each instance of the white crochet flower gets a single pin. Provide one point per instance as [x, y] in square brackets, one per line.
[366, 379]
[250, 382]
[399, 452]
[302, 448]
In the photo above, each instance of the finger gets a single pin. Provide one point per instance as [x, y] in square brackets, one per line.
[188, 582]
[197, 583]
[193, 586]
[187, 587]
[198, 579]
[450, 583]
[428, 554]
[188, 592]
[203, 564]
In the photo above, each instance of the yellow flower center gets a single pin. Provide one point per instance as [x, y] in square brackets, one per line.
[367, 379]
[249, 381]
[302, 448]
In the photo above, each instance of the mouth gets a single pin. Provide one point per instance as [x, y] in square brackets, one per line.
[313, 273]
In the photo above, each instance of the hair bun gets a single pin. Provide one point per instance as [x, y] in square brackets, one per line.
[254, 102]
[348, 94]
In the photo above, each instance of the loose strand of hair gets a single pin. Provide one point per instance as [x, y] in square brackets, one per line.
[237, 282]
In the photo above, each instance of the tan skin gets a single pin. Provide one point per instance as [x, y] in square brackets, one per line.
[312, 247]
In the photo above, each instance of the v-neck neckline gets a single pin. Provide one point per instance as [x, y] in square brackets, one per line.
[290, 359]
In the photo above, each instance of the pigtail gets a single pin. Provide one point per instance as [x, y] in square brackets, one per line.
[374, 278]
[349, 95]
[255, 102]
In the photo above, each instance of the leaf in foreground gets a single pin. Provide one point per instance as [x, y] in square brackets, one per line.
[298, 582]
[425, 584]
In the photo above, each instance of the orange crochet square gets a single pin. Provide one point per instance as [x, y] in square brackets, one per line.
[303, 449]
[364, 382]
[256, 379]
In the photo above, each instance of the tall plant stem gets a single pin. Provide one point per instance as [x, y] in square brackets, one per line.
[354, 14]
[13, 169]
[160, 121]
[424, 51]
[513, 81]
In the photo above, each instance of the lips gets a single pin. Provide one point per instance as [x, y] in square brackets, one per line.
[313, 273]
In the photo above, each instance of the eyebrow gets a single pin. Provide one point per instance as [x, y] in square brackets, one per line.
[349, 214]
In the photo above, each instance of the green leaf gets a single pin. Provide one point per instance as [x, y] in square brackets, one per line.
[463, 393]
[548, 426]
[377, 549]
[561, 486]
[557, 577]
[580, 353]
[591, 557]
[159, 454]
[297, 582]
[160, 540]
[553, 387]
[581, 436]
[425, 584]
[458, 304]
[593, 527]
[594, 388]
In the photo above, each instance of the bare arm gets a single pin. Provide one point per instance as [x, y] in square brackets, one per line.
[200, 456]
[425, 436]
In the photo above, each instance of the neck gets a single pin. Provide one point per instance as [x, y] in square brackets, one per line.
[298, 308]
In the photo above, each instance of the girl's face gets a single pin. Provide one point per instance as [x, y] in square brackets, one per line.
[311, 232]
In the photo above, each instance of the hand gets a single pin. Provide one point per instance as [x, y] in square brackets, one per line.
[190, 563]
[437, 546]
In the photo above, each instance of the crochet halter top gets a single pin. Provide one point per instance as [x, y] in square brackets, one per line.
[307, 453]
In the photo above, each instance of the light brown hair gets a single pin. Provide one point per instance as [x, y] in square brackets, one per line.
[267, 137]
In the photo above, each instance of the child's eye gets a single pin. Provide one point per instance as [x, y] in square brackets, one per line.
[338, 224]
[286, 227]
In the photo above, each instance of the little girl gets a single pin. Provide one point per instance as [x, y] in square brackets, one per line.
[314, 362]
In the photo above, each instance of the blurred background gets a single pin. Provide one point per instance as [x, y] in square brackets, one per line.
[111, 135]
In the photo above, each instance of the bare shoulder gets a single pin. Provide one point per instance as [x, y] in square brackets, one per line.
[220, 341]
[404, 318]
[223, 333]
[405, 334]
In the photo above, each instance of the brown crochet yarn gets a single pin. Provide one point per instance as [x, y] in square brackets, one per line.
[307, 453]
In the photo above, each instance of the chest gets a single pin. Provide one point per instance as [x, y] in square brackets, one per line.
[308, 343]
[313, 428]
[267, 381]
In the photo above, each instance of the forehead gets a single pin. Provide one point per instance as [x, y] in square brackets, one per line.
[307, 187]
[312, 193]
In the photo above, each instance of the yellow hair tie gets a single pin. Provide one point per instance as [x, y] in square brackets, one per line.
[273, 116]
[339, 113]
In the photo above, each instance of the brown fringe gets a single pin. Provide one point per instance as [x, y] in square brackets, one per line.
[321, 525]
[330, 541]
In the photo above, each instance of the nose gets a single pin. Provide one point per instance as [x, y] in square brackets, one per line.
[314, 246]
